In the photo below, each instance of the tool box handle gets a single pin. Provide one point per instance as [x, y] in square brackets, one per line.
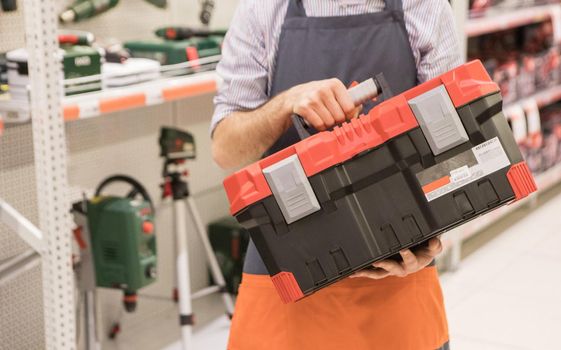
[361, 93]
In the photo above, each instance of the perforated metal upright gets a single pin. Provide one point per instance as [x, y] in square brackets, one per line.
[51, 172]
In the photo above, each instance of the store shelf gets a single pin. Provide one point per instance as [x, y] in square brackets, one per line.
[151, 93]
[542, 98]
[548, 96]
[147, 94]
[497, 19]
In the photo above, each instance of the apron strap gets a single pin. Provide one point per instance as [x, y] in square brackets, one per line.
[394, 5]
[295, 9]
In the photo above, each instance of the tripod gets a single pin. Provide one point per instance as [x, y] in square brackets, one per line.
[176, 187]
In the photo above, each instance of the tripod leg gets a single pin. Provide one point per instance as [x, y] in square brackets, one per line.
[214, 267]
[183, 278]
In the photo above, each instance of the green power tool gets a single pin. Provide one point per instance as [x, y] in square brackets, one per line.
[123, 241]
[84, 9]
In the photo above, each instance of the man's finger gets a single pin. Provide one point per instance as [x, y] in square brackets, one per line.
[324, 114]
[373, 274]
[424, 257]
[355, 113]
[311, 117]
[410, 262]
[334, 107]
[435, 246]
[343, 97]
[393, 267]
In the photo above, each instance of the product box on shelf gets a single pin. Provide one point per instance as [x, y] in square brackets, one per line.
[169, 52]
[505, 75]
[526, 82]
[551, 130]
[80, 67]
[130, 71]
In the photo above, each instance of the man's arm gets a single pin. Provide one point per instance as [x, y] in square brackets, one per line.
[242, 137]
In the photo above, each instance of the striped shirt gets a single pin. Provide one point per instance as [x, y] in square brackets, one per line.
[251, 45]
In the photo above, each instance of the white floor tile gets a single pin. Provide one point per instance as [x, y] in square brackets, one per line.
[506, 319]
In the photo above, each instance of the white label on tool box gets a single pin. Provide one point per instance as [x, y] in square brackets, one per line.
[460, 174]
[465, 168]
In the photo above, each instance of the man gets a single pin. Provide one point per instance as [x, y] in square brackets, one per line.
[297, 56]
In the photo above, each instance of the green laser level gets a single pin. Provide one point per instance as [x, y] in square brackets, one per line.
[177, 144]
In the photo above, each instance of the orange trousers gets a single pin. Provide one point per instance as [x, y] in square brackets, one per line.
[355, 314]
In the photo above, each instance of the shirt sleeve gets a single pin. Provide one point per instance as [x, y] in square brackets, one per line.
[243, 68]
[433, 36]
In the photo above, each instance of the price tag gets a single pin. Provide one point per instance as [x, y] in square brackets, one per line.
[556, 22]
[154, 97]
[89, 109]
[532, 116]
[515, 115]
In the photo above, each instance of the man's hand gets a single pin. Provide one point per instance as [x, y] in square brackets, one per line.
[322, 104]
[243, 136]
[412, 262]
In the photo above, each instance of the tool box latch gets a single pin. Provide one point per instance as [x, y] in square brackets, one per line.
[291, 188]
[439, 120]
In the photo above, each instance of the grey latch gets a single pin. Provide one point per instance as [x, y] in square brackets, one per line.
[439, 120]
[291, 189]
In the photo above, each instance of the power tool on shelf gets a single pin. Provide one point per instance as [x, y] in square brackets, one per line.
[84, 9]
[184, 33]
[415, 166]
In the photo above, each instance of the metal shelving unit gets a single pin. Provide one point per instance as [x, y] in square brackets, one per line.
[112, 100]
[497, 20]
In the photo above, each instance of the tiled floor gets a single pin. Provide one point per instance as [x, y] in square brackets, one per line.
[505, 296]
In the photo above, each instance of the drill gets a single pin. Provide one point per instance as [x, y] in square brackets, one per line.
[84, 9]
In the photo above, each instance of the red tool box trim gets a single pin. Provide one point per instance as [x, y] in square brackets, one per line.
[287, 287]
[246, 187]
[521, 180]
[384, 122]
[464, 84]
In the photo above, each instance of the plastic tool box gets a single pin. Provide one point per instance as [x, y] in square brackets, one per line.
[417, 165]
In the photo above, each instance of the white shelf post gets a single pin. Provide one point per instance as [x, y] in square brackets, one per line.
[50, 166]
